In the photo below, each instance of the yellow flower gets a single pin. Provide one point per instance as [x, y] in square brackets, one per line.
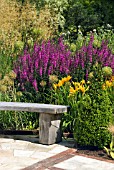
[77, 89]
[64, 80]
[55, 86]
[68, 78]
[60, 83]
[82, 89]
[76, 84]
[108, 83]
[72, 90]
[82, 82]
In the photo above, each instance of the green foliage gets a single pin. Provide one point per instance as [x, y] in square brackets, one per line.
[93, 117]
[91, 108]
[59, 7]
[70, 93]
[103, 33]
[94, 114]
[110, 152]
[107, 71]
[89, 14]
[11, 119]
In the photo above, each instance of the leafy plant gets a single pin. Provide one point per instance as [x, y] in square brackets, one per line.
[68, 92]
[110, 152]
[11, 119]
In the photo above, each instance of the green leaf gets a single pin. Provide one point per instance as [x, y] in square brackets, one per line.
[111, 145]
[107, 150]
[112, 155]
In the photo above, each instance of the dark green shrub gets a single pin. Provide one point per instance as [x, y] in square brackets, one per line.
[89, 14]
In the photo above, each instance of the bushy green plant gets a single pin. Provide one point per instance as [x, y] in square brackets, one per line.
[94, 115]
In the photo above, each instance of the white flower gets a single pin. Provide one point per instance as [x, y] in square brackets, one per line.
[109, 26]
[94, 30]
[68, 32]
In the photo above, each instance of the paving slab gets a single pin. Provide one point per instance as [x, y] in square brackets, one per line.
[84, 163]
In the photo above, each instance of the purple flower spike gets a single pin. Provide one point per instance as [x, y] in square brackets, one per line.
[34, 83]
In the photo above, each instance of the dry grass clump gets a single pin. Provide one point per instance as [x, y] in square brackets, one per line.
[22, 23]
[48, 22]
[9, 23]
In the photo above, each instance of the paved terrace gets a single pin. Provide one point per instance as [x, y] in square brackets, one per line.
[25, 153]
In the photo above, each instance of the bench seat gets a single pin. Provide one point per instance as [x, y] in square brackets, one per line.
[49, 118]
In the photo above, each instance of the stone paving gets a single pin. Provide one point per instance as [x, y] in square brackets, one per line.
[25, 153]
[17, 154]
[84, 163]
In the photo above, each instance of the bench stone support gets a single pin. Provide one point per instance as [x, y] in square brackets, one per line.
[49, 128]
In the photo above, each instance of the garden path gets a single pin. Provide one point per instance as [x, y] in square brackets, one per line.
[25, 153]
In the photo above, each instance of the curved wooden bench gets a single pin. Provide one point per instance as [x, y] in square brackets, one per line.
[49, 118]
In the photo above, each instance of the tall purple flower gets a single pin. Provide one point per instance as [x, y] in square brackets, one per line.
[56, 58]
[34, 83]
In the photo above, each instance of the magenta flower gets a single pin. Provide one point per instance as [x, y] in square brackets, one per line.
[34, 83]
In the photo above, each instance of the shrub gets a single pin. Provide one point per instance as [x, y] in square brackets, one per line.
[89, 14]
[94, 115]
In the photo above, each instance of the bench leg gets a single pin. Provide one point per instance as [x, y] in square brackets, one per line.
[49, 128]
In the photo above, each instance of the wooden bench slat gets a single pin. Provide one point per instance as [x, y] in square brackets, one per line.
[33, 107]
